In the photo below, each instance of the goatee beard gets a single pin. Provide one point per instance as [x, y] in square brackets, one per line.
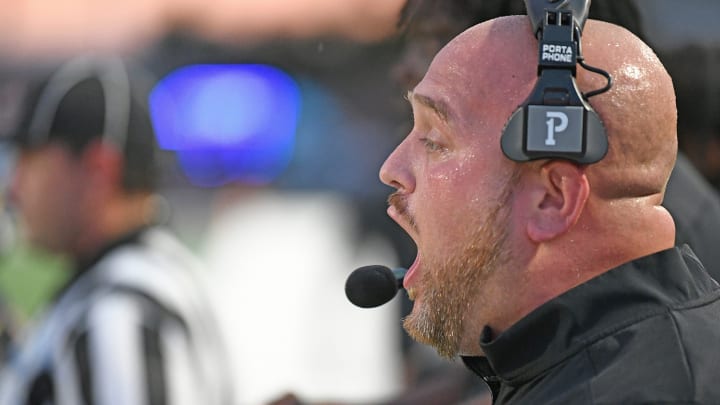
[451, 287]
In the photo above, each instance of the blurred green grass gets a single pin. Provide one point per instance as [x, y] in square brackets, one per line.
[29, 281]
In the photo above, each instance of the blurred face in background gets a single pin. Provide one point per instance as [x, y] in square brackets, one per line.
[47, 189]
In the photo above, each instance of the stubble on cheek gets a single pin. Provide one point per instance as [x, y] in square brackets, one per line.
[450, 284]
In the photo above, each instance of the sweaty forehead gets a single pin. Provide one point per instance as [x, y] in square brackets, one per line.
[486, 72]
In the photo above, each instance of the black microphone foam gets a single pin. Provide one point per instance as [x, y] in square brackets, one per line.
[372, 286]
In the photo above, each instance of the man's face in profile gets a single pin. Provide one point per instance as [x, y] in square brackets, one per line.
[453, 198]
[46, 188]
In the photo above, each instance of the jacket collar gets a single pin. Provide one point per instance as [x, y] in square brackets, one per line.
[568, 323]
[83, 266]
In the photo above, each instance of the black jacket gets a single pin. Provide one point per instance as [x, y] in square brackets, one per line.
[695, 207]
[647, 332]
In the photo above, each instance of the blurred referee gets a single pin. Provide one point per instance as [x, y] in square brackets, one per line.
[133, 326]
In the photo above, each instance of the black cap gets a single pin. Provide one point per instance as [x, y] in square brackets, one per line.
[87, 98]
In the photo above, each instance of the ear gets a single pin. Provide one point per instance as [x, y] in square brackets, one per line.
[103, 165]
[557, 200]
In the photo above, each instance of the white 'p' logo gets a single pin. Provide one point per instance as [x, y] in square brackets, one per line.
[552, 129]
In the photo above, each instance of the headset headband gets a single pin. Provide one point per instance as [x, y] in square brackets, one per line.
[556, 121]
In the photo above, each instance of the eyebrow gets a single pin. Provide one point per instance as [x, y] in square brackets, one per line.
[439, 107]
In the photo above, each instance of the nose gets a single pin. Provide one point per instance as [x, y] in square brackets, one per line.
[397, 170]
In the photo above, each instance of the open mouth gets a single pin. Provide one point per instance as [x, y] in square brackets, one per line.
[410, 276]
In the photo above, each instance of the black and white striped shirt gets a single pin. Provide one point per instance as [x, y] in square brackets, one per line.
[136, 327]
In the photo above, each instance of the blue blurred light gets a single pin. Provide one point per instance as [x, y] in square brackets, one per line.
[227, 122]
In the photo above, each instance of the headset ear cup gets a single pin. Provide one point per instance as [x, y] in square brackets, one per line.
[596, 137]
[512, 140]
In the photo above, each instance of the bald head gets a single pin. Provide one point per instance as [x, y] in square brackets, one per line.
[510, 236]
[494, 67]
[529, 231]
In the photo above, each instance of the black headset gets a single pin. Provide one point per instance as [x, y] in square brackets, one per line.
[556, 121]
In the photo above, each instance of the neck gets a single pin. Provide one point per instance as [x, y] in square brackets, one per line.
[112, 221]
[626, 230]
